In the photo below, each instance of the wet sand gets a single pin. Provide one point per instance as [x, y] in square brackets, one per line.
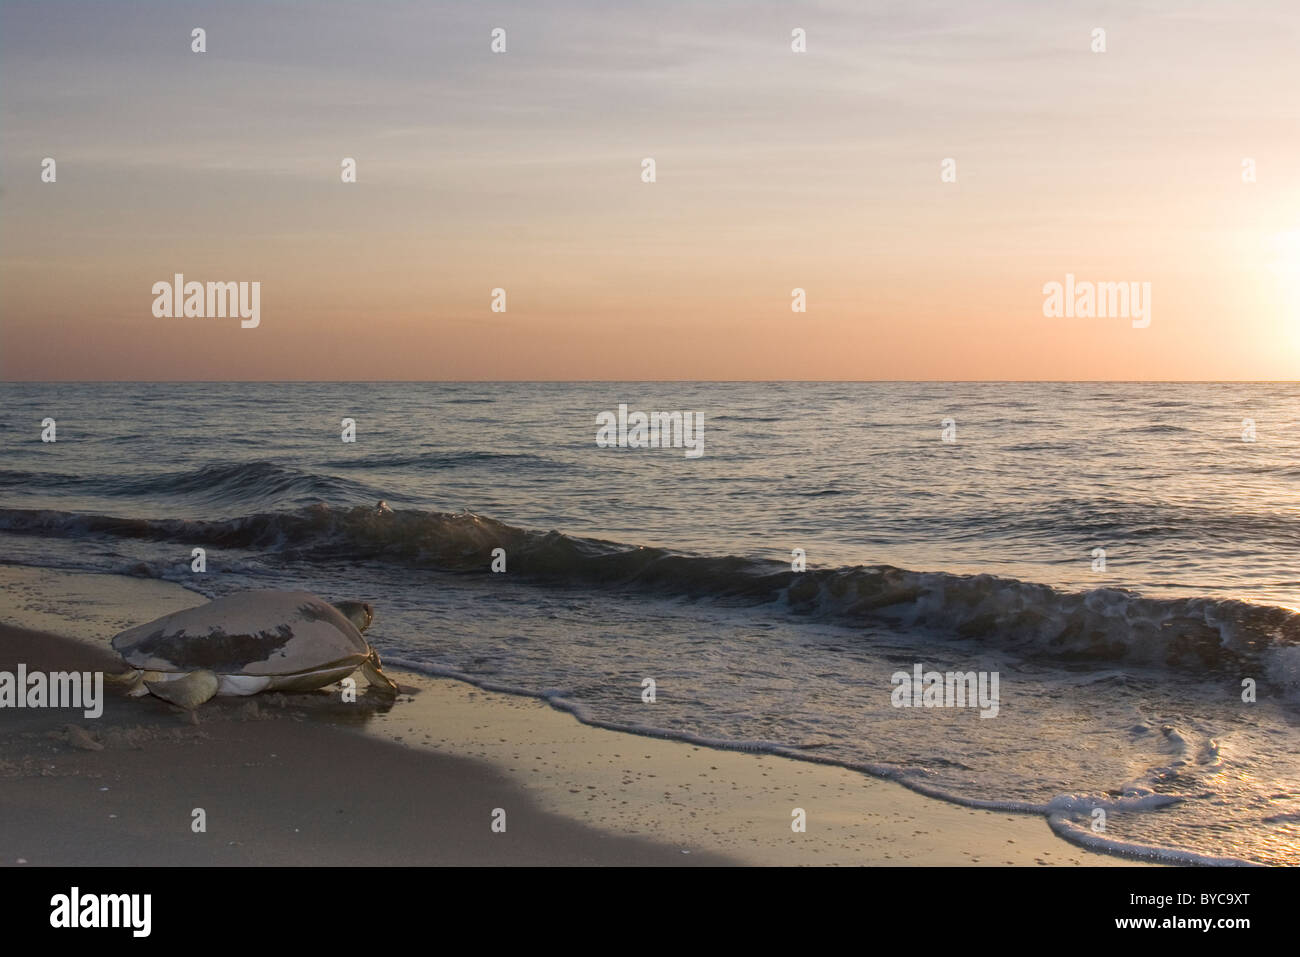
[310, 779]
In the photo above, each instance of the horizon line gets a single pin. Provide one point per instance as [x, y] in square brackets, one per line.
[655, 381]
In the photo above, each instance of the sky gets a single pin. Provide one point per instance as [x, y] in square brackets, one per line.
[774, 170]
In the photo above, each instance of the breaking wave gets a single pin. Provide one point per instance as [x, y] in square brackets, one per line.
[1198, 634]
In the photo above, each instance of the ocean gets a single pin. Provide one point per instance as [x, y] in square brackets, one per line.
[1123, 557]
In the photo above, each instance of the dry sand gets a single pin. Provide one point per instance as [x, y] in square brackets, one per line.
[309, 779]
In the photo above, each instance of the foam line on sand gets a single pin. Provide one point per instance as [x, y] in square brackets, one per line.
[309, 779]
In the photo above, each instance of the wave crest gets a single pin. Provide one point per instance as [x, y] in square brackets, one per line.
[1198, 634]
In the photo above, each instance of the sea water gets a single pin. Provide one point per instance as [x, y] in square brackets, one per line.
[1123, 557]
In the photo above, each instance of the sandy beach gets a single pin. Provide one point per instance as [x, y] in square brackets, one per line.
[307, 779]
[749, 435]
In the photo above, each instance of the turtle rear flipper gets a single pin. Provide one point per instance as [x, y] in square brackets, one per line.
[375, 675]
[188, 692]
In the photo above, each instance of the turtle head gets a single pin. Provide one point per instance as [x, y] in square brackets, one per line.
[360, 613]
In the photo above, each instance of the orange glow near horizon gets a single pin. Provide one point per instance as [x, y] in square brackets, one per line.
[775, 171]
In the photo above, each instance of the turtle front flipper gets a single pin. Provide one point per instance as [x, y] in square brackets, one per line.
[188, 692]
[375, 675]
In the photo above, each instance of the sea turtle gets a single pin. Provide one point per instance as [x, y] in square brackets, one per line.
[249, 642]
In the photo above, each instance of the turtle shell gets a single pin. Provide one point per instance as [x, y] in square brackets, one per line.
[251, 633]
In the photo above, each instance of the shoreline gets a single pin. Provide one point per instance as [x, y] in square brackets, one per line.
[279, 781]
[307, 779]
